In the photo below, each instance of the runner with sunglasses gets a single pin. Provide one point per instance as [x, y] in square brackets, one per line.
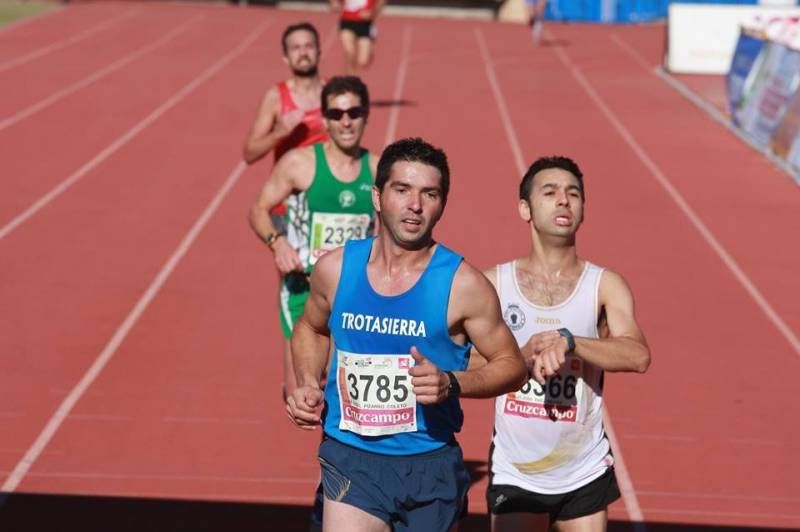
[327, 191]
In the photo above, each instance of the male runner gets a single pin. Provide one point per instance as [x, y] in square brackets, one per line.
[402, 311]
[290, 115]
[551, 466]
[357, 31]
[327, 189]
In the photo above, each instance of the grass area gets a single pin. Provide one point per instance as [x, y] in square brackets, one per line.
[12, 10]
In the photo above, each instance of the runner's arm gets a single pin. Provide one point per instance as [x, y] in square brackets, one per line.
[622, 345]
[276, 189]
[311, 336]
[504, 369]
[310, 344]
[265, 133]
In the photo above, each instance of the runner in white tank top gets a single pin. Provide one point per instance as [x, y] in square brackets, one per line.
[550, 461]
[570, 448]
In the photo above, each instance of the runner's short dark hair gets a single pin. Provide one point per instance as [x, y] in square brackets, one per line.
[343, 85]
[413, 150]
[545, 163]
[306, 26]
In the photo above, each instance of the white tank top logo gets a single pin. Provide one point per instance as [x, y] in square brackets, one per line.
[514, 317]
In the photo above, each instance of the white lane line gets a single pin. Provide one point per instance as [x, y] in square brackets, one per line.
[28, 20]
[58, 45]
[639, 58]
[69, 402]
[511, 134]
[679, 200]
[112, 148]
[623, 477]
[391, 128]
[97, 75]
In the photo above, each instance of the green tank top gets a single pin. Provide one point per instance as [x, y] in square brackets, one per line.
[330, 212]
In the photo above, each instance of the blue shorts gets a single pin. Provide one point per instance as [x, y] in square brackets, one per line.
[420, 492]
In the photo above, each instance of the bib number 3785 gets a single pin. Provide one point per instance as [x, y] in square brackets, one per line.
[375, 394]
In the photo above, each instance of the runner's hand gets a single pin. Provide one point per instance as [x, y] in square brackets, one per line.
[429, 382]
[286, 257]
[303, 406]
[288, 121]
[545, 353]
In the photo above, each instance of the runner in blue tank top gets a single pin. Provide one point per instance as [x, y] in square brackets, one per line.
[402, 311]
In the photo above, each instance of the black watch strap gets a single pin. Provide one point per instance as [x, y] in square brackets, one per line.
[570, 339]
[454, 389]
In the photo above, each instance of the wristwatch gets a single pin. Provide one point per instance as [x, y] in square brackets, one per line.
[271, 238]
[570, 339]
[454, 388]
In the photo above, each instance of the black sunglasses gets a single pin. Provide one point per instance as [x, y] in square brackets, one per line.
[353, 113]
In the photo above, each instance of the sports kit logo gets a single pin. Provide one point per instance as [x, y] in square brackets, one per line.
[514, 317]
[347, 198]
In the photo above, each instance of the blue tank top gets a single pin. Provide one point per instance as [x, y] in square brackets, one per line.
[363, 322]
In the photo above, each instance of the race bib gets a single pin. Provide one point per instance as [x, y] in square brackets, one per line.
[375, 394]
[331, 230]
[558, 400]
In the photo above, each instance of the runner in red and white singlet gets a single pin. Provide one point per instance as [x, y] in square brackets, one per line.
[357, 31]
[290, 115]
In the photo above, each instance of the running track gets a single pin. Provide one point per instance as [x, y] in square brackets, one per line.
[138, 329]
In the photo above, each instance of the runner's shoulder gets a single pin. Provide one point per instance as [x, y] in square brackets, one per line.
[470, 282]
[328, 268]
[613, 285]
[297, 166]
[491, 275]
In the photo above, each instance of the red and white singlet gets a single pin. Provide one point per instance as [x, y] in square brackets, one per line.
[353, 9]
[309, 131]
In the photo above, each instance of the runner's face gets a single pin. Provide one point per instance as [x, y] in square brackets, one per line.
[302, 53]
[556, 203]
[346, 132]
[410, 203]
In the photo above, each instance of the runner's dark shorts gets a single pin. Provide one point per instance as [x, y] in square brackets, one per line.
[421, 492]
[362, 28]
[586, 500]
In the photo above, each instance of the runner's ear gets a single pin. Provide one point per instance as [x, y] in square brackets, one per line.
[376, 199]
[524, 210]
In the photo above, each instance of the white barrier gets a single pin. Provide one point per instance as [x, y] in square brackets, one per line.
[701, 37]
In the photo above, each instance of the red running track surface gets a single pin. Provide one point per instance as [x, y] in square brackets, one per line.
[139, 330]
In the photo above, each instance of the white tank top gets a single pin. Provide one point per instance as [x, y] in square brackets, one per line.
[550, 439]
